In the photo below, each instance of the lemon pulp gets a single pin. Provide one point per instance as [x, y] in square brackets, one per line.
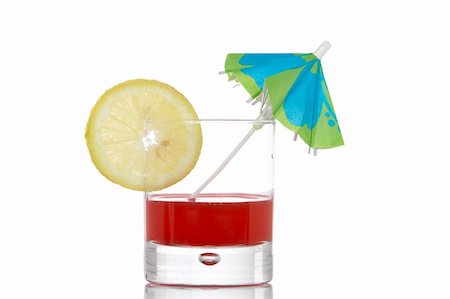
[144, 135]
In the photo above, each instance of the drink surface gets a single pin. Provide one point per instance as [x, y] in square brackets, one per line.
[212, 220]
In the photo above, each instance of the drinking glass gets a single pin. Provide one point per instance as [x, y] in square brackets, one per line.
[221, 236]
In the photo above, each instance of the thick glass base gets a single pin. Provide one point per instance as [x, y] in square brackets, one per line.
[157, 291]
[208, 265]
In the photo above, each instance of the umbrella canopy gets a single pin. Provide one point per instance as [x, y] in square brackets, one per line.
[296, 90]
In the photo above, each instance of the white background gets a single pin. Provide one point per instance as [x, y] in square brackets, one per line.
[367, 220]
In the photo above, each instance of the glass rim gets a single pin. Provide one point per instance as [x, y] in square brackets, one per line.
[214, 120]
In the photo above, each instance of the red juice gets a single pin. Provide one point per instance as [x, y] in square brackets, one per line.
[211, 220]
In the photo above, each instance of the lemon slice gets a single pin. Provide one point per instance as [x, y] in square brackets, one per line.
[144, 135]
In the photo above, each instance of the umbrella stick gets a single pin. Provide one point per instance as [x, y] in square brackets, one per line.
[262, 116]
[224, 163]
[322, 49]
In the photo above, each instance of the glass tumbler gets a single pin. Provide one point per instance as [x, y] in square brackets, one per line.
[221, 235]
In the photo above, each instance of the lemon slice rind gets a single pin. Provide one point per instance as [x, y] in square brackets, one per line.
[144, 135]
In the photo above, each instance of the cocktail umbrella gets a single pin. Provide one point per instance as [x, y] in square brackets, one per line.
[295, 87]
[292, 89]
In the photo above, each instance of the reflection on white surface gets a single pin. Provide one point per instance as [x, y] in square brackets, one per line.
[155, 291]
